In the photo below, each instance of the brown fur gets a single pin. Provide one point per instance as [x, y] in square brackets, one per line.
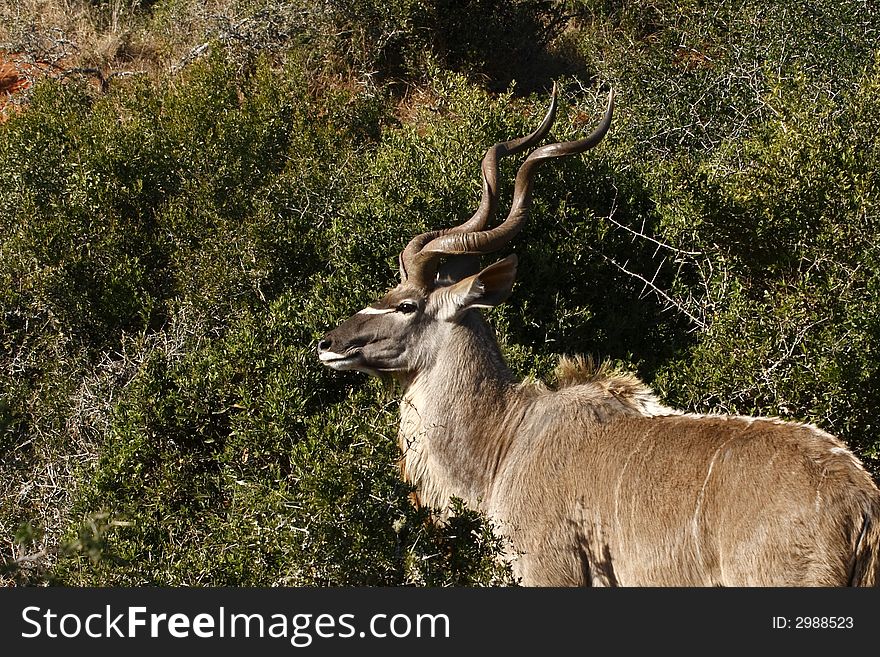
[596, 483]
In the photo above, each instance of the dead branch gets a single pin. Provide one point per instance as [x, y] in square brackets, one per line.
[650, 285]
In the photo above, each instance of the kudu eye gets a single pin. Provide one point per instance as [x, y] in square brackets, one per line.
[407, 307]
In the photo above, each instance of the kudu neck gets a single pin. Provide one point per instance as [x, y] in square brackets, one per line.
[451, 413]
[467, 360]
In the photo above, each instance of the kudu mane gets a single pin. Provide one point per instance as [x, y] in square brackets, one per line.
[593, 480]
[602, 382]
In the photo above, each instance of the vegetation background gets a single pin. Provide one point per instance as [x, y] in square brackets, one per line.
[192, 192]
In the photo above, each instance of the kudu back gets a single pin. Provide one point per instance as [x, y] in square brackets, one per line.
[594, 481]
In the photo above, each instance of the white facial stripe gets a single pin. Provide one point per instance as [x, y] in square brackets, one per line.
[330, 355]
[369, 310]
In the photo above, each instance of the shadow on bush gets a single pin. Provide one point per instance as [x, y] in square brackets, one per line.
[503, 41]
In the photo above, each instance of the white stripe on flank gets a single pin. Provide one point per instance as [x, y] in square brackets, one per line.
[369, 310]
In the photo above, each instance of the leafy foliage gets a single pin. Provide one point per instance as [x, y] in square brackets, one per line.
[170, 251]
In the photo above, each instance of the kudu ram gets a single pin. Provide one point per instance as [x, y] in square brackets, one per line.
[594, 481]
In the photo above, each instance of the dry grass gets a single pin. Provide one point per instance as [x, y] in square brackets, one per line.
[116, 38]
[60, 38]
[73, 31]
[56, 38]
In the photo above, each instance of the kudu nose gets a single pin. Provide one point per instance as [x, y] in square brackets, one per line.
[324, 345]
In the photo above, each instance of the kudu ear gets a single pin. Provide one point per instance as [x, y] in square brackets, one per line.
[482, 290]
[402, 268]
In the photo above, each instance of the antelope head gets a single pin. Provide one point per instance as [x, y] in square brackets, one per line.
[440, 279]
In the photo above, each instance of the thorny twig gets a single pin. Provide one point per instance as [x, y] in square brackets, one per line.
[649, 284]
[641, 233]
[259, 31]
[103, 80]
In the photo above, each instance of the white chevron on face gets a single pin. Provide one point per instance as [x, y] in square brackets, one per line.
[369, 310]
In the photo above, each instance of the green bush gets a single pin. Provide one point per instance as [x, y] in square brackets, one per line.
[182, 294]
[171, 250]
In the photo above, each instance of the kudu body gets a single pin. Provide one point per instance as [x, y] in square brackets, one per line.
[594, 481]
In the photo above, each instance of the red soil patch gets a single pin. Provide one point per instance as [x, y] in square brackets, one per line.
[16, 75]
